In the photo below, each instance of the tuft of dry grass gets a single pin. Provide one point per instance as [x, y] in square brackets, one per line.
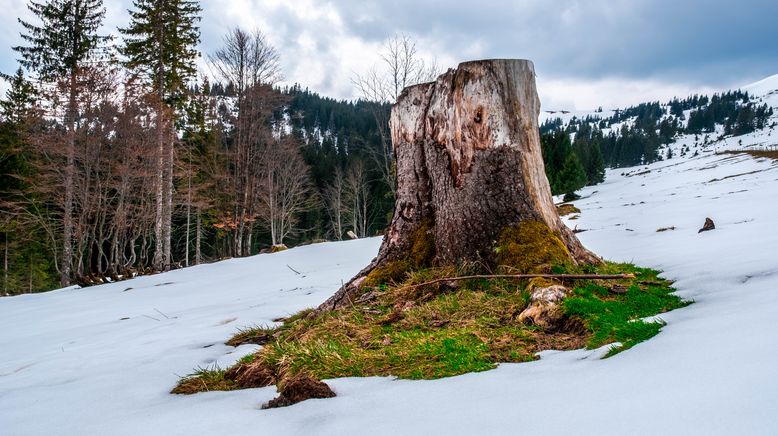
[205, 380]
[259, 335]
[567, 209]
[769, 154]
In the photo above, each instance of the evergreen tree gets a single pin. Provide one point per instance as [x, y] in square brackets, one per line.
[17, 110]
[572, 176]
[160, 47]
[64, 41]
[27, 261]
[595, 171]
[19, 99]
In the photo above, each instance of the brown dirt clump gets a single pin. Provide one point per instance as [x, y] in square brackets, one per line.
[300, 388]
[252, 375]
[708, 226]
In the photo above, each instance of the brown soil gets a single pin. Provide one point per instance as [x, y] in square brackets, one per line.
[297, 389]
[251, 375]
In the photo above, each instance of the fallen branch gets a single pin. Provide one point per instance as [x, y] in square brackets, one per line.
[526, 276]
[294, 270]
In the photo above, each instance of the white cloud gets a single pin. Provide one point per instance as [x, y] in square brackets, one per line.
[576, 94]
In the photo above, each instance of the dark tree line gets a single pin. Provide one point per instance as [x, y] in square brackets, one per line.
[126, 162]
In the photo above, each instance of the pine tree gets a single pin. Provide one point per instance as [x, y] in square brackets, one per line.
[17, 110]
[64, 41]
[572, 177]
[595, 172]
[19, 99]
[160, 47]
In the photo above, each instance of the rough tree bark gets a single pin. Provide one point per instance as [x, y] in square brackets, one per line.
[469, 165]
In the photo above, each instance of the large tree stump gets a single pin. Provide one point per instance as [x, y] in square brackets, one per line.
[469, 166]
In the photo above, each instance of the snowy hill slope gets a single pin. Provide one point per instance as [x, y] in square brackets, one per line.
[762, 92]
[72, 365]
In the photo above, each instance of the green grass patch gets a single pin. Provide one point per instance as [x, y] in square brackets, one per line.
[617, 317]
[444, 330]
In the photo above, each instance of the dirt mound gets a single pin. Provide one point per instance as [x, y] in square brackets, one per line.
[299, 388]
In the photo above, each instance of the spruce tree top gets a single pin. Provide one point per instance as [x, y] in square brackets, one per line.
[160, 44]
[66, 37]
[19, 99]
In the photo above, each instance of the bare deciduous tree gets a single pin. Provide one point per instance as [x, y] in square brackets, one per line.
[286, 190]
[335, 201]
[400, 66]
[357, 198]
[246, 59]
[252, 66]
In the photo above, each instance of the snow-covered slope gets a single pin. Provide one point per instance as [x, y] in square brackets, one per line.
[72, 365]
[102, 360]
[762, 92]
[766, 88]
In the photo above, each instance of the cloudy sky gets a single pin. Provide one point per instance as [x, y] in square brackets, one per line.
[586, 53]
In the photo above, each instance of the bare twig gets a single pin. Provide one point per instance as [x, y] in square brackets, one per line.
[160, 312]
[294, 270]
[526, 276]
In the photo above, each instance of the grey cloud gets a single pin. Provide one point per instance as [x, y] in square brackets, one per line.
[695, 42]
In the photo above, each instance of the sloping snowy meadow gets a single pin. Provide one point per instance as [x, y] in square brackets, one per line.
[102, 360]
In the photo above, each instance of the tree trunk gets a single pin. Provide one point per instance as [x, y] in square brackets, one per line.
[70, 169]
[469, 166]
[198, 237]
[159, 194]
[169, 168]
[5, 265]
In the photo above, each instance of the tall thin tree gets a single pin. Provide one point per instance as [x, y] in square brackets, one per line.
[57, 48]
[160, 45]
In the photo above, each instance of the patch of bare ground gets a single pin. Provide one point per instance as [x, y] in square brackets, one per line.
[768, 154]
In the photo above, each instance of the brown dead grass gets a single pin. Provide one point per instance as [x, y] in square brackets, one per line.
[567, 209]
[769, 154]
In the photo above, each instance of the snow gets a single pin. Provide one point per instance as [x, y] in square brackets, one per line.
[72, 365]
[767, 87]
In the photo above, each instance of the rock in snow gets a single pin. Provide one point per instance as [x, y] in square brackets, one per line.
[707, 226]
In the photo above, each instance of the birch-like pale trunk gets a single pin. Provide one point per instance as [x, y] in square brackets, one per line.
[70, 164]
